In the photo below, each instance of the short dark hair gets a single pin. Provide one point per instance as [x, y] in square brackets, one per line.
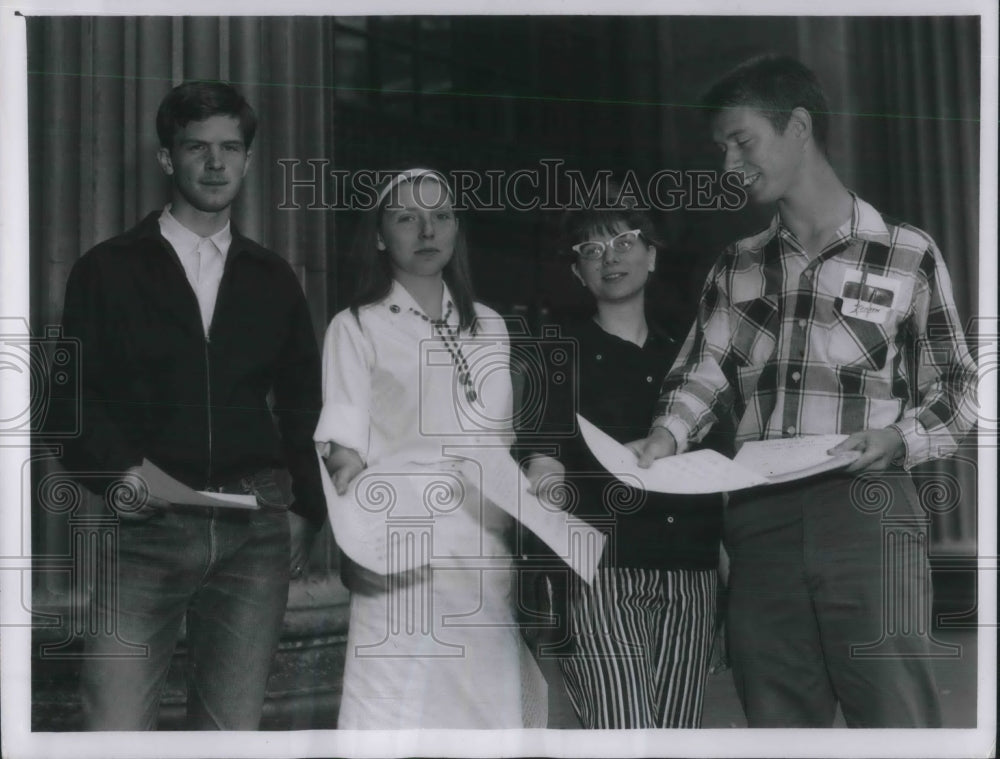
[774, 85]
[197, 101]
[603, 214]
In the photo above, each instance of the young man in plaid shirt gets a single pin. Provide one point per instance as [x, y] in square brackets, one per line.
[835, 319]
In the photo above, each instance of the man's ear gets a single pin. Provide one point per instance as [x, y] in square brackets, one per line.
[379, 242]
[246, 163]
[166, 163]
[652, 258]
[800, 124]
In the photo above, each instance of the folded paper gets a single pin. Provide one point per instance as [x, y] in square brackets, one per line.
[758, 463]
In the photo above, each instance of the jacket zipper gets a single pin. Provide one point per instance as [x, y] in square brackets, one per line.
[208, 368]
[208, 408]
[208, 364]
[208, 375]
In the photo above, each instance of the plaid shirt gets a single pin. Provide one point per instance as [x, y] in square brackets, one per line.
[865, 335]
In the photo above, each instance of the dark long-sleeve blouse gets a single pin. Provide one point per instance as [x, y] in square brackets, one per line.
[615, 384]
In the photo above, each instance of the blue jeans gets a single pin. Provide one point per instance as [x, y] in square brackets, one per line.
[227, 570]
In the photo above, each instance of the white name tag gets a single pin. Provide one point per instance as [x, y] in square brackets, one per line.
[869, 297]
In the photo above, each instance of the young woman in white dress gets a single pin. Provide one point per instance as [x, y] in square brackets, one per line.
[415, 370]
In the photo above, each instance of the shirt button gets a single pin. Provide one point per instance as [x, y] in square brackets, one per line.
[599, 356]
[791, 430]
[394, 308]
[796, 376]
[807, 274]
[649, 379]
[670, 520]
[802, 323]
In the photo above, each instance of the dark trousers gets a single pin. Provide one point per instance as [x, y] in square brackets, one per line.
[830, 601]
[226, 570]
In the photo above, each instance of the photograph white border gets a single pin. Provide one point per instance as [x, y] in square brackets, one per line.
[15, 574]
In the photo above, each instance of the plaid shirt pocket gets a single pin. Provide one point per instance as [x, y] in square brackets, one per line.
[857, 342]
[755, 326]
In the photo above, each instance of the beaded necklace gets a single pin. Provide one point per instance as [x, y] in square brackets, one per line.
[449, 335]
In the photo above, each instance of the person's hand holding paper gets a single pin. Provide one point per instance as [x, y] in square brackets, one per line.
[874, 450]
[545, 475]
[703, 471]
[153, 490]
[765, 462]
[659, 445]
[343, 465]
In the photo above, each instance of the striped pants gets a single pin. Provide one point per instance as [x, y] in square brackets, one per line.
[642, 640]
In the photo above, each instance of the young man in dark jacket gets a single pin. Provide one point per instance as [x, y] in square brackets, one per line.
[187, 329]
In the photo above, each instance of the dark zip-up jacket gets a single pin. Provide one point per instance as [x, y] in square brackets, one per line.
[153, 386]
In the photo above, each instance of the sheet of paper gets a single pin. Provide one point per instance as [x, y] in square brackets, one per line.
[231, 499]
[360, 532]
[399, 501]
[162, 485]
[360, 518]
[702, 471]
[791, 458]
[571, 539]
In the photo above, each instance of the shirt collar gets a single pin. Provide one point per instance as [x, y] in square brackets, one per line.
[865, 224]
[655, 335]
[400, 297]
[184, 240]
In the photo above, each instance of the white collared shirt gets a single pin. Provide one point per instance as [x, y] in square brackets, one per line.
[391, 390]
[203, 259]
